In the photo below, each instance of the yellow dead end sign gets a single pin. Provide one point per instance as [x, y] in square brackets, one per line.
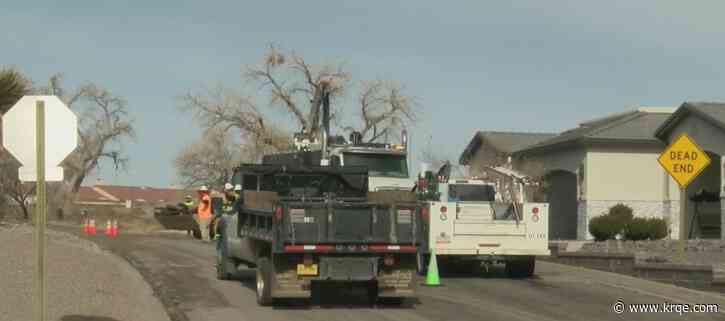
[684, 160]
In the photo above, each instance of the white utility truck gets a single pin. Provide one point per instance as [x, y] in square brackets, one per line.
[473, 223]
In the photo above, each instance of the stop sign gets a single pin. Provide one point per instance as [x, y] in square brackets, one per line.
[61, 135]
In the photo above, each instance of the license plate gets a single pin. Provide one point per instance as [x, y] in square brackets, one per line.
[306, 269]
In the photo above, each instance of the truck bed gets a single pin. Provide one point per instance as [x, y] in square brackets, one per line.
[301, 223]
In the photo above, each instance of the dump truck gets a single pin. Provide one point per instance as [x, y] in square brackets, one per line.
[474, 223]
[302, 225]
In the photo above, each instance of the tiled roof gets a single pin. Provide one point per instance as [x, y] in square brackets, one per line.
[505, 142]
[87, 194]
[635, 126]
[710, 111]
[120, 194]
[144, 194]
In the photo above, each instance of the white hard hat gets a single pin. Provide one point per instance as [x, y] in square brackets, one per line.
[238, 187]
[204, 188]
[228, 186]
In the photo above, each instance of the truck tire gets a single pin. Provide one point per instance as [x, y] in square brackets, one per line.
[521, 267]
[264, 282]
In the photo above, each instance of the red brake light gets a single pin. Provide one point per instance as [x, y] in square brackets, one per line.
[535, 210]
[444, 210]
[425, 214]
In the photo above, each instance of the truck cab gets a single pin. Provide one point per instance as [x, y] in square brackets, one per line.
[387, 164]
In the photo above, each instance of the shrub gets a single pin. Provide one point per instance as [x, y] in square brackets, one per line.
[657, 228]
[645, 229]
[607, 226]
[621, 214]
[637, 229]
[603, 227]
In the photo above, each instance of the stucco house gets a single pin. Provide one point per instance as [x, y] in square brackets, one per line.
[704, 123]
[600, 163]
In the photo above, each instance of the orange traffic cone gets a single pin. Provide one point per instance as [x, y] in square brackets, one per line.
[92, 227]
[109, 230]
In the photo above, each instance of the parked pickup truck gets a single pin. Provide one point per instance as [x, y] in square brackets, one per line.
[470, 225]
[299, 225]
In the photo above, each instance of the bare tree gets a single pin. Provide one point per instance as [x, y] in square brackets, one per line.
[12, 188]
[431, 157]
[208, 161]
[224, 109]
[296, 86]
[383, 108]
[104, 126]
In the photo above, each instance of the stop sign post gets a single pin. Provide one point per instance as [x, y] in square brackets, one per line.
[29, 147]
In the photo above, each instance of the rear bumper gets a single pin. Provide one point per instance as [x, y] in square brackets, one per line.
[397, 280]
[348, 268]
[494, 252]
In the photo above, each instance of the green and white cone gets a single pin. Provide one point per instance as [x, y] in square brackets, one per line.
[432, 278]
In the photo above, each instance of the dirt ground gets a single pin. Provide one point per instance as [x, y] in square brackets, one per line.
[84, 282]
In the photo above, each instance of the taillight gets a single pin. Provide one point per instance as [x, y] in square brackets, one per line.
[425, 213]
[278, 213]
[444, 210]
[535, 214]
[389, 259]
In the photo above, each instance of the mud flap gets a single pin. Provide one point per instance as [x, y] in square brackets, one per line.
[286, 283]
[399, 281]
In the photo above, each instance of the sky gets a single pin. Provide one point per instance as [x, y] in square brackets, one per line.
[534, 66]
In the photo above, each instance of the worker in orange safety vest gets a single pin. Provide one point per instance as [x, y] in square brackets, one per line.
[203, 213]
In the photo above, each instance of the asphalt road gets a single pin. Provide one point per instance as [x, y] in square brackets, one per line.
[181, 272]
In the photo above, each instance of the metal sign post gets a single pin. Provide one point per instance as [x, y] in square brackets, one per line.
[41, 213]
[684, 161]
